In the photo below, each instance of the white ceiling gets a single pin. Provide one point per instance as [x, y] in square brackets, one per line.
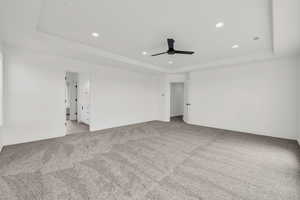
[129, 27]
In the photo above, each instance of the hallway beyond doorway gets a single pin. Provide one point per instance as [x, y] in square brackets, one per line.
[76, 127]
[177, 118]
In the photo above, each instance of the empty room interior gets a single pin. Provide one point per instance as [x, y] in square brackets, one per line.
[149, 100]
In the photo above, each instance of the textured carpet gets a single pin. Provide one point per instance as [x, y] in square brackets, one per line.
[152, 161]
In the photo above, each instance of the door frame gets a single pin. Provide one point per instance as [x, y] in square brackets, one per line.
[78, 98]
[175, 78]
[183, 97]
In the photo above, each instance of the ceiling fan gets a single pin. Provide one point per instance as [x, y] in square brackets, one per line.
[172, 51]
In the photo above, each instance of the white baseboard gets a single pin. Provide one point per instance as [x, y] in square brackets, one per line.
[246, 131]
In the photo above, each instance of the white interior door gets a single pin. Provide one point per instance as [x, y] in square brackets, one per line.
[72, 94]
[187, 105]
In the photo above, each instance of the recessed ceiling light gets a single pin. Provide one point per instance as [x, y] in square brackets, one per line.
[219, 24]
[170, 62]
[95, 34]
[235, 46]
[144, 53]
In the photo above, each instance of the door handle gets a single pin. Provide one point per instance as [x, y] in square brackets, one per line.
[188, 104]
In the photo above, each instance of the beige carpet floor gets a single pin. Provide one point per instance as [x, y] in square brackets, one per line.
[152, 161]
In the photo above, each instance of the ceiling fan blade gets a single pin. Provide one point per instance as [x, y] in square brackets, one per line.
[171, 43]
[184, 52]
[159, 54]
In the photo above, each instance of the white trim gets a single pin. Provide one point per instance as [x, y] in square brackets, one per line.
[112, 56]
[237, 61]
[270, 55]
[97, 53]
[102, 53]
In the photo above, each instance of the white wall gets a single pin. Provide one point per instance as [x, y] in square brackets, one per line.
[1, 95]
[121, 98]
[177, 99]
[286, 26]
[257, 98]
[34, 99]
[298, 100]
[35, 93]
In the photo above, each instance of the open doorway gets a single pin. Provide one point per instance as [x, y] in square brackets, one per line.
[77, 101]
[176, 101]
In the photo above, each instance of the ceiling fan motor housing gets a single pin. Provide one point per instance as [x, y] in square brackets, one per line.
[171, 52]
